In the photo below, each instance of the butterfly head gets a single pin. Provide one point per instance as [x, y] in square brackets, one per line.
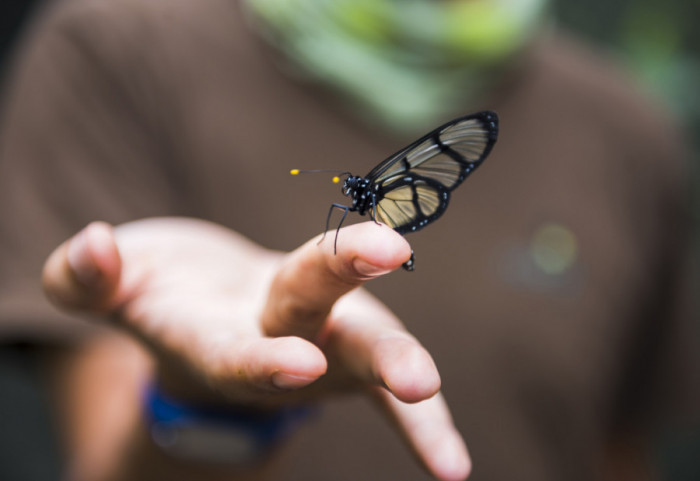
[354, 184]
[350, 184]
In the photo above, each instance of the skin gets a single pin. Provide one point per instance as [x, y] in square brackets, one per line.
[220, 320]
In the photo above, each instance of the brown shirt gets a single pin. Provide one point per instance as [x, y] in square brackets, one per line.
[127, 109]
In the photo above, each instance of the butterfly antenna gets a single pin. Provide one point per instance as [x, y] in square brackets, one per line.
[336, 178]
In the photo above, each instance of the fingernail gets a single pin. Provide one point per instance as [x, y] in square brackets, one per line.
[80, 260]
[283, 380]
[364, 268]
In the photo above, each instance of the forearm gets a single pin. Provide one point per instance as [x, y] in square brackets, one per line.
[146, 461]
[98, 389]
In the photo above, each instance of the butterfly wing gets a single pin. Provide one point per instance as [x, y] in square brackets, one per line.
[413, 186]
[408, 204]
[448, 154]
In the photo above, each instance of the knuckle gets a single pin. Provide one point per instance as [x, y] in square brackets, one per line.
[298, 316]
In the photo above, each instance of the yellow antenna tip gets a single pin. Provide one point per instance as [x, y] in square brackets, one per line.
[336, 179]
[294, 171]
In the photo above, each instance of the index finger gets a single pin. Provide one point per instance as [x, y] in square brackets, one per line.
[313, 277]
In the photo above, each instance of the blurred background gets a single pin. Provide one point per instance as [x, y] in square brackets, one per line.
[657, 40]
[13, 14]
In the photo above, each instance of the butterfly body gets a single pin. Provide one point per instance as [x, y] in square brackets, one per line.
[411, 188]
[362, 192]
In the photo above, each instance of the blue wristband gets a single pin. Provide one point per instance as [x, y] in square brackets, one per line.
[216, 435]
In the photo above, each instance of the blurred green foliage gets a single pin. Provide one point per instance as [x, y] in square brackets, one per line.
[659, 40]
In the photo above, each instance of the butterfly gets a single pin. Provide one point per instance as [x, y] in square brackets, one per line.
[411, 188]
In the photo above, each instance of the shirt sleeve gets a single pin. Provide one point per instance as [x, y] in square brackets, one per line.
[83, 137]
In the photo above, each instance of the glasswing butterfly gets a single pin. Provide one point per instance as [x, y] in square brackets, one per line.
[411, 188]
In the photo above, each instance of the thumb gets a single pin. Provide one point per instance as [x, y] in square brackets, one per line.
[313, 277]
[83, 273]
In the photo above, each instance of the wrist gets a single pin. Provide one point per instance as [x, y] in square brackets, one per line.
[230, 435]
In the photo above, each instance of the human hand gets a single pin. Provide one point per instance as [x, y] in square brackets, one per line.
[232, 322]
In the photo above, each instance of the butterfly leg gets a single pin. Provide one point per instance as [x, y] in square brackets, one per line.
[345, 210]
[373, 210]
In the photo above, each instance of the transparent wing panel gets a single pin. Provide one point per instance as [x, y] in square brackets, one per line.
[428, 199]
[469, 138]
[397, 207]
[441, 168]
